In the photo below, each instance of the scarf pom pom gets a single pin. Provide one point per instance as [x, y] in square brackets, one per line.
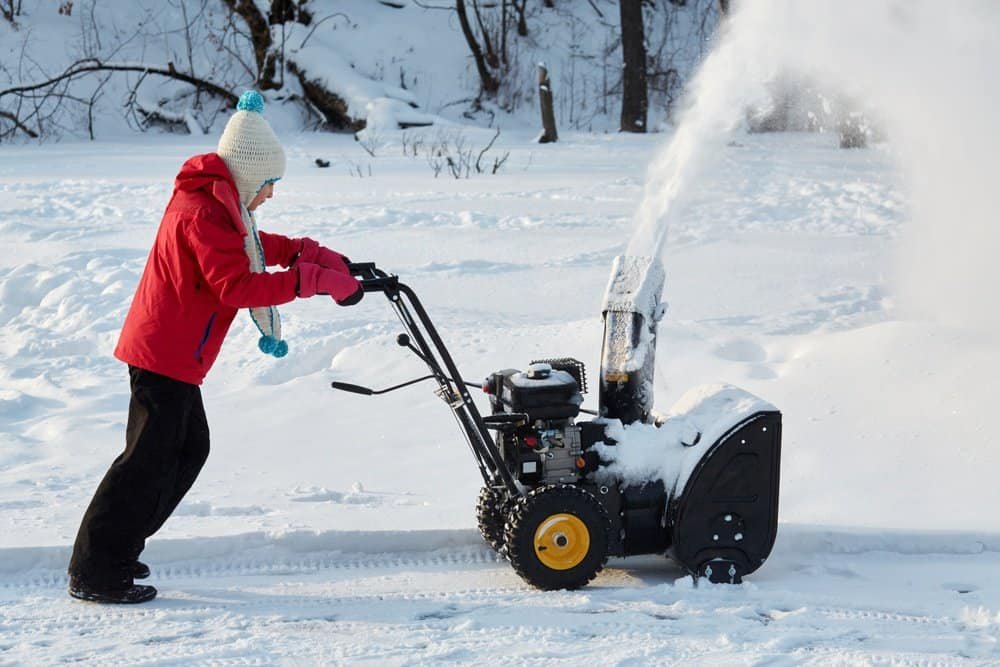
[281, 349]
[268, 344]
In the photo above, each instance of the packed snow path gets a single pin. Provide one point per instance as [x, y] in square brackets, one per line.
[823, 598]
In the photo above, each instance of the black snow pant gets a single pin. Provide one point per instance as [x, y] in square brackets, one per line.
[166, 444]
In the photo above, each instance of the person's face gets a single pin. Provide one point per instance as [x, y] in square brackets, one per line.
[265, 193]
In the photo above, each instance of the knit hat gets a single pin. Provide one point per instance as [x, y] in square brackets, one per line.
[250, 148]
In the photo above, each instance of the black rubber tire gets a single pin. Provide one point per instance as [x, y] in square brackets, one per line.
[491, 515]
[536, 507]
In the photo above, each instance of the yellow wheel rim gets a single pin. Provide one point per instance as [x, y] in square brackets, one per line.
[562, 542]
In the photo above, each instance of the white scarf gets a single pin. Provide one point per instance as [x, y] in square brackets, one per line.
[265, 317]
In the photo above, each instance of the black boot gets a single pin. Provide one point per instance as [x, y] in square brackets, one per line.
[128, 594]
[138, 570]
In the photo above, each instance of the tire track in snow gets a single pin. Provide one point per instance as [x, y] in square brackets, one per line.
[284, 566]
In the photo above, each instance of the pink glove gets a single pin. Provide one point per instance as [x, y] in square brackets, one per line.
[313, 253]
[314, 279]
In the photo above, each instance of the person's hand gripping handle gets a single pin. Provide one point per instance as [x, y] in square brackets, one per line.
[314, 279]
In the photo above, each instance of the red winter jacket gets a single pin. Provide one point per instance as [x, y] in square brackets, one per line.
[198, 275]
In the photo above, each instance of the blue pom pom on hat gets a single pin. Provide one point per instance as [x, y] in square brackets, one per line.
[273, 346]
[251, 100]
[267, 344]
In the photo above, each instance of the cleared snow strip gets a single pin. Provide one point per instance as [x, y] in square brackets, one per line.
[249, 552]
[303, 552]
[670, 452]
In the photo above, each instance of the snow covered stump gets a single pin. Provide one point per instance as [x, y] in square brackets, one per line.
[632, 309]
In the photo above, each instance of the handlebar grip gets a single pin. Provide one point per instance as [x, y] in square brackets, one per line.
[353, 388]
[379, 284]
[361, 268]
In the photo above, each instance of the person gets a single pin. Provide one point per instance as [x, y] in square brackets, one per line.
[207, 262]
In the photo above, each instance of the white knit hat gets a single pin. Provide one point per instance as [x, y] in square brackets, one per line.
[250, 148]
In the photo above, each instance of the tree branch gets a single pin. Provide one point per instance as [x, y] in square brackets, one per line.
[93, 65]
[479, 158]
[12, 118]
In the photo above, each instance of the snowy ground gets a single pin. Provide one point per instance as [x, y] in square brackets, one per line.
[332, 527]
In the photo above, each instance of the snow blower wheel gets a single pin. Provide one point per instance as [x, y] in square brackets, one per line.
[557, 537]
[491, 515]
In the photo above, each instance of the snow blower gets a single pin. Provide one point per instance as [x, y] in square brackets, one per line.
[557, 499]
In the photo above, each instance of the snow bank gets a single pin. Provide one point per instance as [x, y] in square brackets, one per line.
[669, 453]
[380, 105]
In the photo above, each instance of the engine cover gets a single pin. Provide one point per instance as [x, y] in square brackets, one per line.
[541, 392]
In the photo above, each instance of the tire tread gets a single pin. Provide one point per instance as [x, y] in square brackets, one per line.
[559, 495]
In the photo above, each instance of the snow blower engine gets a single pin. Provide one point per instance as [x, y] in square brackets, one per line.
[559, 496]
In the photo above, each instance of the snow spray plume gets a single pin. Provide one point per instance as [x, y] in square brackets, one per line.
[931, 73]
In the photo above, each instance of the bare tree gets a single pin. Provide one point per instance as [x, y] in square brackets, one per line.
[488, 27]
[522, 23]
[10, 10]
[260, 37]
[451, 151]
[39, 102]
[488, 82]
[635, 100]
[271, 61]
[241, 46]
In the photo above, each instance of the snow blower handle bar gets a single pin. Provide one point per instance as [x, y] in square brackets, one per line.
[423, 340]
[368, 391]
[372, 278]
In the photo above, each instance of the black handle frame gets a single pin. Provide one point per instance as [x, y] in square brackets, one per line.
[451, 388]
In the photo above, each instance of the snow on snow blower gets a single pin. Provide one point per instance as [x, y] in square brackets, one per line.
[562, 495]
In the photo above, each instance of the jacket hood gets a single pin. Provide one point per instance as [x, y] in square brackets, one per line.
[209, 173]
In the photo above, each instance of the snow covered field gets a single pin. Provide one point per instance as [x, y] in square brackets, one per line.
[329, 527]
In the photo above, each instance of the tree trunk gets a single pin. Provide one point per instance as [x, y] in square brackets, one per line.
[488, 83]
[634, 97]
[522, 23]
[331, 106]
[549, 134]
[260, 35]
